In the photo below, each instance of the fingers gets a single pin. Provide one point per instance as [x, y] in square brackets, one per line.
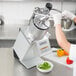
[68, 14]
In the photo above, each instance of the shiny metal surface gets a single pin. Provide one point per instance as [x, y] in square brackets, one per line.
[66, 23]
[8, 63]
[58, 70]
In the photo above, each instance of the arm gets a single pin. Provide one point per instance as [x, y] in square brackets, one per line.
[72, 47]
[63, 43]
[61, 39]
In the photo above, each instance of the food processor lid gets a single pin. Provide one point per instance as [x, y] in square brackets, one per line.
[41, 18]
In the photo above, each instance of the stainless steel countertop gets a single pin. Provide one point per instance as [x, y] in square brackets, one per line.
[8, 62]
[58, 70]
[9, 31]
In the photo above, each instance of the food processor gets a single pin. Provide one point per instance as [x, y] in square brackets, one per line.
[33, 42]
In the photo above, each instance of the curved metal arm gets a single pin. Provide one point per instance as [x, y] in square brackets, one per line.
[57, 10]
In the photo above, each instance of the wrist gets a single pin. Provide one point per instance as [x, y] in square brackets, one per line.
[56, 25]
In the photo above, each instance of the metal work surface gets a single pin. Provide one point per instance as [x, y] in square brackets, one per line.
[7, 66]
[6, 62]
[58, 70]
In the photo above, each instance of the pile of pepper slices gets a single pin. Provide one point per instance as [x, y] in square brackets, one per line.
[62, 52]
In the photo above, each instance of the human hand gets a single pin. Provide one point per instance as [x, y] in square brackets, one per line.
[68, 14]
[57, 19]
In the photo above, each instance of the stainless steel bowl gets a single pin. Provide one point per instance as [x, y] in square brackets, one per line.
[66, 23]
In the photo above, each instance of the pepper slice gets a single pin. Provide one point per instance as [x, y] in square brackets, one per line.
[66, 53]
[60, 53]
[68, 61]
